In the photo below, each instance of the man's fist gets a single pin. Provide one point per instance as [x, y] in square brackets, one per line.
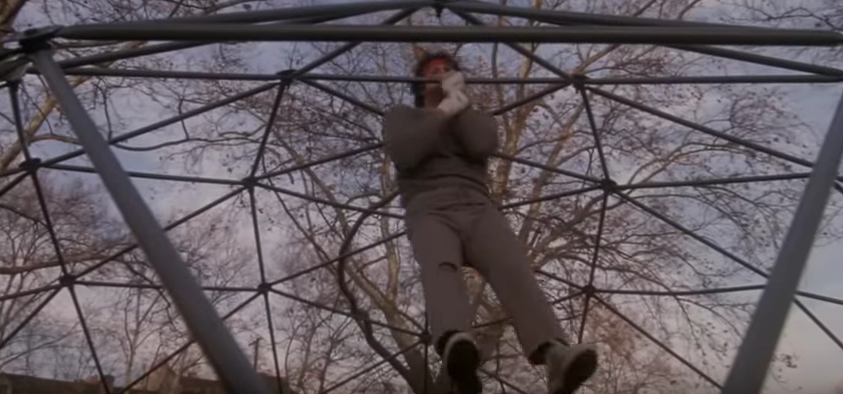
[454, 103]
[452, 82]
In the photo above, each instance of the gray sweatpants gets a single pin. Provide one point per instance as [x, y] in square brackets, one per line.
[455, 226]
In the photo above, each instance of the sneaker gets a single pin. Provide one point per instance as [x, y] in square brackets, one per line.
[568, 367]
[461, 360]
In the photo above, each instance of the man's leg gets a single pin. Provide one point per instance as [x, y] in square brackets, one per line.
[438, 249]
[495, 251]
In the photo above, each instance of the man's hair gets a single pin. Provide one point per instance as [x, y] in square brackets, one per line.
[418, 87]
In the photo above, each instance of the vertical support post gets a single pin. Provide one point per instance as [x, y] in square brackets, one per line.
[761, 339]
[226, 358]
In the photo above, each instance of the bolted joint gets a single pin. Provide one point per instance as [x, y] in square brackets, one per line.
[32, 165]
[426, 338]
[67, 280]
[263, 288]
[250, 182]
[579, 80]
[36, 39]
[589, 290]
[608, 185]
[287, 72]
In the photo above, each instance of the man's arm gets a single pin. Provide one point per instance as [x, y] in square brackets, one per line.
[478, 133]
[408, 139]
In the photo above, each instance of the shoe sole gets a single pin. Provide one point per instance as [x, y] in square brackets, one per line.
[463, 363]
[578, 372]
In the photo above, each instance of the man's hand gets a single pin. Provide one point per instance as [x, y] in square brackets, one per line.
[453, 103]
[452, 82]
[455, 100]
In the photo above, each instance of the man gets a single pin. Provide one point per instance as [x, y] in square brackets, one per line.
[440, 150]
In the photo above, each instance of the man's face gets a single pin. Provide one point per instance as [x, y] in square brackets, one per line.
[435, 69]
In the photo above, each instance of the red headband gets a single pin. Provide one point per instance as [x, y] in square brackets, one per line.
[433, 63]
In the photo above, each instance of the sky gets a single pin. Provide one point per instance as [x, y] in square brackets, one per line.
[819, 359]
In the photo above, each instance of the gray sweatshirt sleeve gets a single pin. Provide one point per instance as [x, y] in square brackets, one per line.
[409, 138]
[478, 133]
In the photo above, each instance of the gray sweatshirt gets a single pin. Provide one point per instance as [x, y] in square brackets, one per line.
[430, 151]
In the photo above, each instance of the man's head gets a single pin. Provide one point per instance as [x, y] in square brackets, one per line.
[432, 66]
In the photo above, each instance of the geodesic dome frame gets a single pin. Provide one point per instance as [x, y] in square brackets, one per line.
[33, 55]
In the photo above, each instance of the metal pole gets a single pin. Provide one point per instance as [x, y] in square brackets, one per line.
[174, 46]
[483, 34]
[753, 360]
[577, 18]
[285, 13]
[228, 361]
[730, 79]
[565, 18]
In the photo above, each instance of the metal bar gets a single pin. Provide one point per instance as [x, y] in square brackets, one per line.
[546, 168]
[344, 313]
[338, 258]
[309, 11]
[671, 293]
[704, 129]
[256, 229]
[328, 202]
[43, 289]
[269, 123]
[820, 297]
[228, 361]
[167, 122]
[271, 328]
[566, 18]
[533, 97]
[558, 278]
[517, 48]
[39, 192]
[151, 175]
[593, 125]
[753, 359]
[593, 268]
[108, 57]
[819, 324]
[344, 96]
[710, 182]
[166, 74]
[726, 79]
[724, 252]
[29, 318]
[548, 197]
[409, 79]
[168, 227]
[88, 339]
[154, 286]
[691, 233]
[408, 10]
[577, 34]
[10, 172]
[11, 185]
[341, 155]
[761, 59]
[183, 347]
[656, 341]
[569, 17]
